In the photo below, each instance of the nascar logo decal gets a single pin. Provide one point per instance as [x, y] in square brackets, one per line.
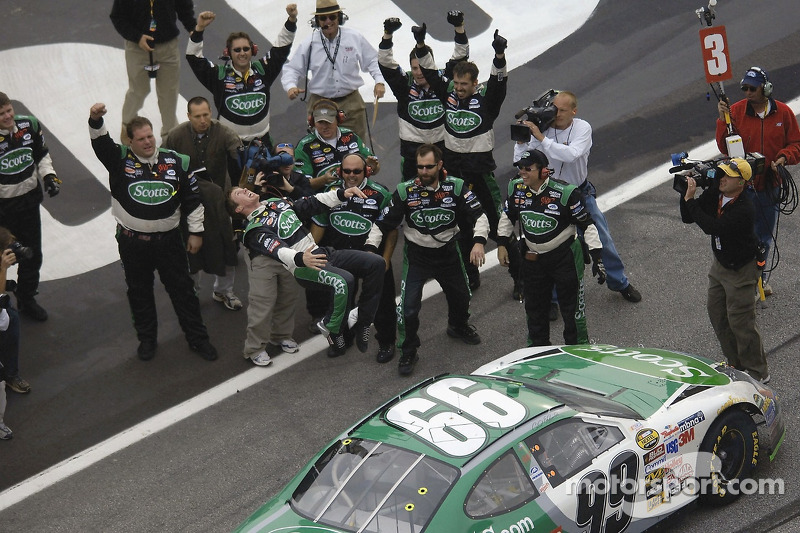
[647, 438]
[655, 363]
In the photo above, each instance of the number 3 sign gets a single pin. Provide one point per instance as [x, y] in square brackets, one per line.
[714, 44]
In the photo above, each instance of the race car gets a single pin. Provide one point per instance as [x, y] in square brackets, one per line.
[589, 438]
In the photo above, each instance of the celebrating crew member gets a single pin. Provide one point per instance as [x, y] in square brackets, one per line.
[420, 114]
[275, 233]
[550, 213]
[567, 143]
[724, 213]
[23, 157]
[769, 127]
[347, 226]
[331, 60]
[147, 231]
[470, 112]
[240, 87]
[434, 206]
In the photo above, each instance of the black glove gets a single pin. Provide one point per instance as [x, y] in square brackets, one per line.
[455, 17]
[391, 25]
[499, 43]
[598, 268]
[419, 33]
[51, 183]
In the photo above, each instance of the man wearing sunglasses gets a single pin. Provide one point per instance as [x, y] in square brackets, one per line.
[434, 207]
[241, 86]
[724, 213]
[334, 57]
[769, 127]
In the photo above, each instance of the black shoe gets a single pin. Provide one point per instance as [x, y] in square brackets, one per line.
[33, 310]
[631, 294]
[553, 312]
[518, 293]
[18, 385]
[205, 349]
[146, 350]
[337, 345]
[385, 354]
[362, 338]
[466, 333]
[405, 365]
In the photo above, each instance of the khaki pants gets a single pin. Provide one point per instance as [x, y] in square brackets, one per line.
[167, 79]
[271, 303]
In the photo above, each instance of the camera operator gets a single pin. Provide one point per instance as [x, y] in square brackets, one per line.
[567, 143]
[24, 157]
[724, 213]
[9, 325]
[769, 127]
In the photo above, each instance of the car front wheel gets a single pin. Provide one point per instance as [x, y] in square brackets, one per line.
[729, 452]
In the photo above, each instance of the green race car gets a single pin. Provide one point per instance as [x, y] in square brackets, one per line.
[563, 438]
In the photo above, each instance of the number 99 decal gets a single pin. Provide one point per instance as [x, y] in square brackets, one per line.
[605, 504]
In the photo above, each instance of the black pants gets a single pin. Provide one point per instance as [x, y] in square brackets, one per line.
[9, 347]
[144, 253]
[563, 267]
[419, 265]
[26, 225]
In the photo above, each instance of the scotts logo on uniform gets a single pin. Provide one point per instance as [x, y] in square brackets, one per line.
[151, 192]
[288, 223]
[246, 105]
[332, 280]
[349, 223]
[426, 111]
[655, 363]
[537, 223]
[432, 218]
[463, 121]
[16, 160]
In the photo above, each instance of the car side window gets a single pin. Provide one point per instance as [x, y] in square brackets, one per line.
[503, 487]
[568, 446]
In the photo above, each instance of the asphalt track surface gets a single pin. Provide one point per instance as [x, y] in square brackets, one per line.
[636, 69]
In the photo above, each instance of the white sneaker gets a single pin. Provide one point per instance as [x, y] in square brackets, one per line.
[352, 318]
[261, 359]
[5, 432]
[229, 300]
[290, 346]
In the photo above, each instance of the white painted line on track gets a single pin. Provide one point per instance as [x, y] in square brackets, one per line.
[619, 195]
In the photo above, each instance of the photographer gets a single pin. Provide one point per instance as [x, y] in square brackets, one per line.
[566, 141]
[724, 213]
[9, 326]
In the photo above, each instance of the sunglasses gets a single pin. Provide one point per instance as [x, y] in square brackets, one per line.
[526, 169]
[735, 167]
[242, 49]
[323, 18]
[749, 89]
[426, 167]
[284, 145]
[352, 170]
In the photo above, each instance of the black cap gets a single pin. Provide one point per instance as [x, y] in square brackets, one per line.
[531, 157]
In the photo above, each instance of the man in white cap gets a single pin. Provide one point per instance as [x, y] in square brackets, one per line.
[331, 60]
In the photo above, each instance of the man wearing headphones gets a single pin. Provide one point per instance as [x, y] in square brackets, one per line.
[549, 213]
[433, 206]
[724, 213]
[319, 153]
[769, 127]
[240, 87]
[334, 56]
[347, 226]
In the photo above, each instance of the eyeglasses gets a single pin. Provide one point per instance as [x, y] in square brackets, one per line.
[426, 167]
[284, 145]
[352, 170]
[242, 49]
[749, 89]
[323, 18]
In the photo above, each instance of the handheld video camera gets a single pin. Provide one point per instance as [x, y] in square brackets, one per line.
[258, 159]
[705, 172]
[541, 112]
[23, 253]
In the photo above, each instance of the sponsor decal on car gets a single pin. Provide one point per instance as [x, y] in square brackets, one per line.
[647, 438]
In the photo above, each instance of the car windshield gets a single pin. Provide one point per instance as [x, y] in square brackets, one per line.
[582, 400]
[362, 485]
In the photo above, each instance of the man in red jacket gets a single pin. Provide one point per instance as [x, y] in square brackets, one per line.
[769, 127]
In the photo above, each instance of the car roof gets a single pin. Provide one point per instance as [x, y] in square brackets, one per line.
[597, 379]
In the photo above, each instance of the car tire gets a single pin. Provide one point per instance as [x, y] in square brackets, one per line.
[731, 446]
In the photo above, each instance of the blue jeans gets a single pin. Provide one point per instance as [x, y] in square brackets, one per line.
[766, 216]
[615, 270]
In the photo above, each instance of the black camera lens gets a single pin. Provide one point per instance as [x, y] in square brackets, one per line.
[22, 252]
